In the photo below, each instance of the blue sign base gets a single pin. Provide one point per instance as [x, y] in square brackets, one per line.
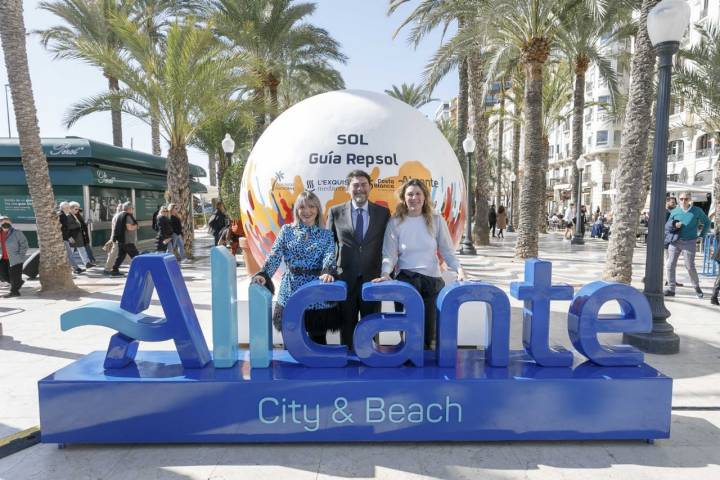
[156, 400]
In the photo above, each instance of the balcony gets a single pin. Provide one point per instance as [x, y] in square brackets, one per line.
[707, 152]
[675, 157]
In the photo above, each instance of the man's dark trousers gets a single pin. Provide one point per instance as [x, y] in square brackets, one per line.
[11, 274]
[123, 250]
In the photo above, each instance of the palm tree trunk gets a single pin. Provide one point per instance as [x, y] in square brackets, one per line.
[501, 131]
[532, 194]
[212, 169]
[259, 104]
[272, 85]
[629, 199]
[516, 170]
[476, 74]
[462, 114]
[581, 66]
[155, 134]
[115, 114]
[54, 267]
[716, 192]
[542, 216]
[178, 182]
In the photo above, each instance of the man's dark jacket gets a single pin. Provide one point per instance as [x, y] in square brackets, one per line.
[355, 260]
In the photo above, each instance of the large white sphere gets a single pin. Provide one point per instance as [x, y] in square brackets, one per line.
[316, 143]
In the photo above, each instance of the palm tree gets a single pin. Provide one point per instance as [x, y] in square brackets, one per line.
[279, 44]
[580, 40]
[414, 95]
[54, 267]
[86, 26]
[630, 199]
[153, 16]
[699, 85]
[185, 82]
[556, 95]
[527, 29]
[238, 123]
[427, 16]
[448, 129]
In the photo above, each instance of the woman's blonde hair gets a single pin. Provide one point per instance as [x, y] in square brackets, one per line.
[308, 198]
[401, 210]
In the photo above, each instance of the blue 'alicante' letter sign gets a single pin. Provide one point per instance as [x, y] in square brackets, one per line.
[265, 394]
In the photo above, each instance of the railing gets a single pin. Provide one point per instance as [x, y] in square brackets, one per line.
[676, 157]
[706, 152]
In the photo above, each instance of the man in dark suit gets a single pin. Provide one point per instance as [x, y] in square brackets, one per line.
[359, 229]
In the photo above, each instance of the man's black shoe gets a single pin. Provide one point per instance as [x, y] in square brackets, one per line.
[90, 265]
[11, 294]
[116, 273]
[714, 301]
[79, 270]
[669, 293]
[699, 292]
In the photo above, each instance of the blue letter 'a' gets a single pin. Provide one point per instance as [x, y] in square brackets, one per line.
[412, 322]
[449, 301]
[297, 342]
[585, 322]
[180, 323]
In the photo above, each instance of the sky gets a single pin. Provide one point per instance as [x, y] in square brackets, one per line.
[365, 32]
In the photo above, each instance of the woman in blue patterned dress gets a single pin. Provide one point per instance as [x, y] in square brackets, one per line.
[309, 254]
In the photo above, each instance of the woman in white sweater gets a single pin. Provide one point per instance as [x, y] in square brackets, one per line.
[413, 239]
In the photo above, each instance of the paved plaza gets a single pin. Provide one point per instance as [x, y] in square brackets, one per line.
[32, 346]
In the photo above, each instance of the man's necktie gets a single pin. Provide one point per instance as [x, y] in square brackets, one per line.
[359, 226]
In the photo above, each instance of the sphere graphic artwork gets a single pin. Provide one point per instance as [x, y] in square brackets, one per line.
[317, 142]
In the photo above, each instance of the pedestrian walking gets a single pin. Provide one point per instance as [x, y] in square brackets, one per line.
[502, 219]
[111, 246]
[164, 229]
[63, 218]
[716, 257]
[125, 236]
[218, 221]
[75, 233]
[14, 248]
[178, 240]
[492, 219]
[683, 222]
[85, 226]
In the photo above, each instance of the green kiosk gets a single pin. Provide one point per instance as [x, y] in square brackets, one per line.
[96, 175]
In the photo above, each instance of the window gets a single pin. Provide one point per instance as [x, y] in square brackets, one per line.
[604, 102]
[617, 137]
[589, 142]
[676, 147]
[588, 116]
[602, 137]
[567, 149]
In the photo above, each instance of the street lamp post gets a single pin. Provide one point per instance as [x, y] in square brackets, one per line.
[467, 247]
[7, 108]
[666, 24]
[578, 237]
[228, 146]
[512, 201]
